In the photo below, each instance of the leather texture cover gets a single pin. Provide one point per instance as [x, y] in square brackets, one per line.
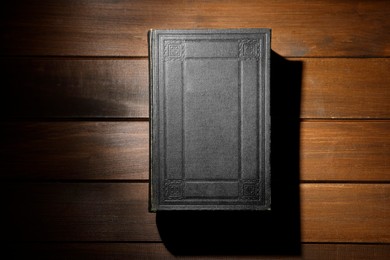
[210, 119]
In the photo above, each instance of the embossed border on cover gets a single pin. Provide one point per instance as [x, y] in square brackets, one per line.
[169, 194]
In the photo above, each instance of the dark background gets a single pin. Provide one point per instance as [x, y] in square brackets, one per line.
[74, 132]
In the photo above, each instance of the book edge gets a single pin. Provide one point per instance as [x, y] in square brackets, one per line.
[152, 193]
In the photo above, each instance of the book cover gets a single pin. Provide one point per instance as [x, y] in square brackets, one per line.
[210, 119]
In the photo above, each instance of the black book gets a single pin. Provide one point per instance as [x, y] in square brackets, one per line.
[210, 119]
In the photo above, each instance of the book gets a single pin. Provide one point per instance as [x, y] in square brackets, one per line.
[210, 125]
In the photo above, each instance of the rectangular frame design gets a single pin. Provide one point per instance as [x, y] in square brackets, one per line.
[210, 119]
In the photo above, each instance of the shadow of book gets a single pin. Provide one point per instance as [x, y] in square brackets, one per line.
[275, 232]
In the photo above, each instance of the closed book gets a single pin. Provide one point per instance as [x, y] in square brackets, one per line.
[210, 128]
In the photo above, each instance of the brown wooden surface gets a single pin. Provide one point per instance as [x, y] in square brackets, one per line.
[58, 87]
[350, 150]
[73, 141]
[158, 251]
[345, 212]
[345, 88]
[119, 212]
[77, 212]
[74, 150]
[345, 151]
[118, 28]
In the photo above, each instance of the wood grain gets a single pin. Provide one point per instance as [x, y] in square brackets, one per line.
[330, 151]
[74, 136]
[158, 251]
[77, 212]
[74, 150]
[118, 28]
[345, 88]
[118, 212]
[118, 88]
[345, 212]
[34, 87]
[345, 151]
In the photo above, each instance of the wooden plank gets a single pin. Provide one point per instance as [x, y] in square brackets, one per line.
[345, 151]
[74, 88]
[330, 151]
[119, 212]
[77, 212]
[36, 87]
[118, 28]
[345, 212]
[345, 251]
[345, 88]
[74, 150]
[158, 251]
